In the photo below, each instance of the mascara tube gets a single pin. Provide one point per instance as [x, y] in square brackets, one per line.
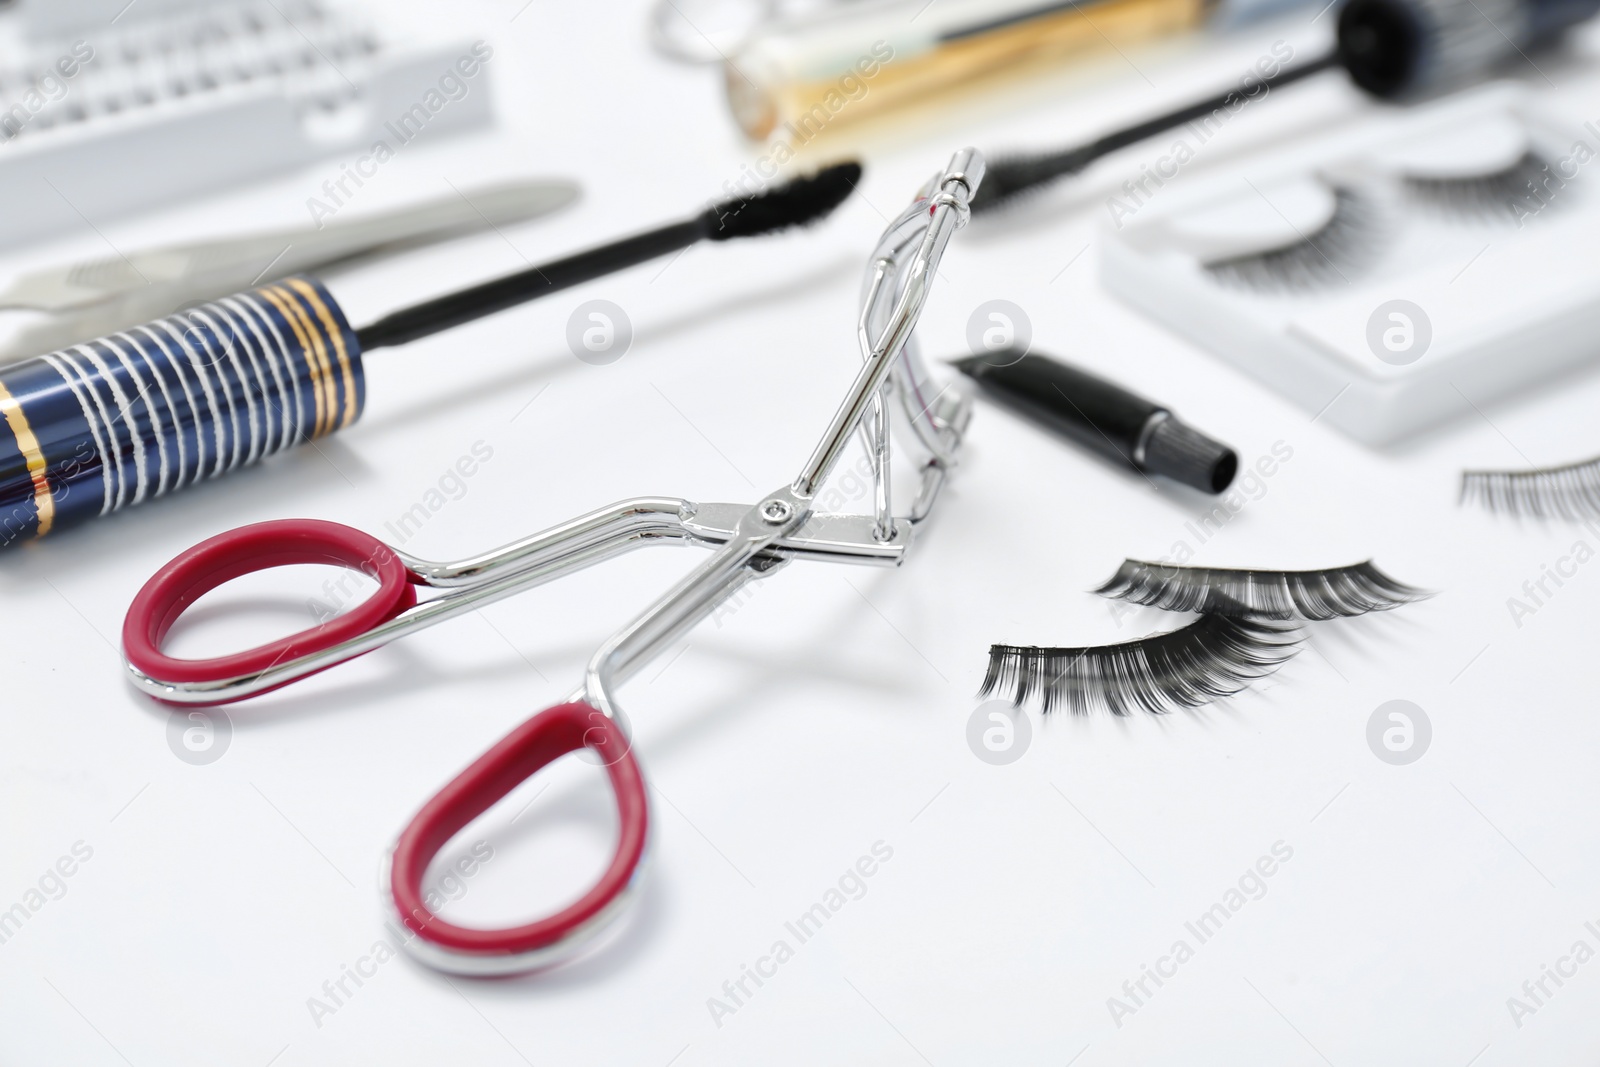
[1102, 417]
[112, 422]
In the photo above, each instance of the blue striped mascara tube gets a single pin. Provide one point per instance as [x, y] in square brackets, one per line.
[123, 419]
[119, 420]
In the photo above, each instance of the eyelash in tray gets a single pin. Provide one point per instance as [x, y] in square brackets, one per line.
[1350, 237]
[1249, 627]
[1311, 255]
[1489, 196]
[1328, 227]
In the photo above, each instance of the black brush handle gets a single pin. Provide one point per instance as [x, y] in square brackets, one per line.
[1103, 417]
[1007, 177]
[474, 302]
[1229, 100]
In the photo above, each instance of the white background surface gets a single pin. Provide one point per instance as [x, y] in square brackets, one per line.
[829, 712]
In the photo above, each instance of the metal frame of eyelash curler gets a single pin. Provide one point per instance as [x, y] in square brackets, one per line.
[750, 543]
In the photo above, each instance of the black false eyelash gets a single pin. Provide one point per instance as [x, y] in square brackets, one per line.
[1344, 243]
[1333, 593]
[1571, 492]
[1213, 657]
[1485, 196]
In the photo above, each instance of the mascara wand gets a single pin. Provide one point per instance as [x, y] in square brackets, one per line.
[796, 203]
[113, 422]
[1391, 49]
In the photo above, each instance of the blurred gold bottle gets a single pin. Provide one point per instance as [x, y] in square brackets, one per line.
[795, 82]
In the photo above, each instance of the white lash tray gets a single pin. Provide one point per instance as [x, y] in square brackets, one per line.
[182, 97]
[1507, 300]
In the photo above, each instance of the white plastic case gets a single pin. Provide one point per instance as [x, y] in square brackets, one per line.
[180, 97]
[1419, 312]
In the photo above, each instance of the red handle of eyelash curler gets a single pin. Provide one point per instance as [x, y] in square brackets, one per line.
[262, 546]
[539, 741]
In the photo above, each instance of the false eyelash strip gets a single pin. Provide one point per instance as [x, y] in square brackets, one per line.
[1213, 657]
[1317, 596]
[1486, 196]
[1345, 242]
[1570, 492]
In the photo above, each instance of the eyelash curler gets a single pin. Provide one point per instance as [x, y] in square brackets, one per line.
[749, 543]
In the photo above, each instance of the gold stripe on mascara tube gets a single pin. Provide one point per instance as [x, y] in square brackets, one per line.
[283, 303]
[43, 500]
[321, 352]
[331, 329]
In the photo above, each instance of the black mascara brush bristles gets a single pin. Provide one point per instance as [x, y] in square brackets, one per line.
[1213, 657]
[1331, 593]
[1010, 179]
[794, 203]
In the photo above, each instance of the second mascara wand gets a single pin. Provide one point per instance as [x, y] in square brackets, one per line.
[1391, 49]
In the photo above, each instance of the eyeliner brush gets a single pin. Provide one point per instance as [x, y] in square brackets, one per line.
[1390, 49]
[1103, 417]
[113, 422]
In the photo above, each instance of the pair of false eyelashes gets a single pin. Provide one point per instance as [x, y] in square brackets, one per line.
[1348, 240]
[1351, 238]
[1249, 625]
